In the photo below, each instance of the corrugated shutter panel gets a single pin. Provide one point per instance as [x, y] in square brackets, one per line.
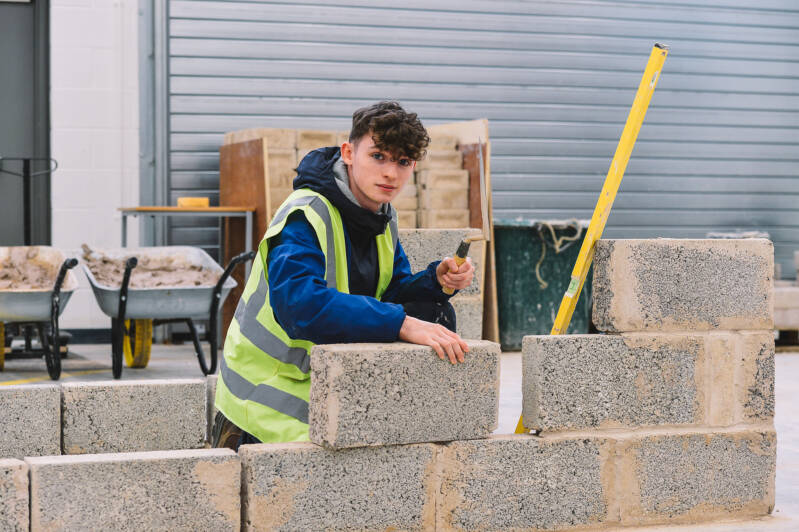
[719, 149]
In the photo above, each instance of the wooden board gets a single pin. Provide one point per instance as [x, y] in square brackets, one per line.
[243, 181]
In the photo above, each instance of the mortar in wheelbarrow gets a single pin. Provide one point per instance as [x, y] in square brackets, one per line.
[163, 302]
[31, 301]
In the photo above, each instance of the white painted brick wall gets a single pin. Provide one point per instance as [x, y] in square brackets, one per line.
[94, 99]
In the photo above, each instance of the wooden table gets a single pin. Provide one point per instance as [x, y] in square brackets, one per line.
[245, 212]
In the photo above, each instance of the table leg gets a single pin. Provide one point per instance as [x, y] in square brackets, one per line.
[124, 230]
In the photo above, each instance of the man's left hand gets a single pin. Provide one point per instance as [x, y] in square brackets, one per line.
[455, 277]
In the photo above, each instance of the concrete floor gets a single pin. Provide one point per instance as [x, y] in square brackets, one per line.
[93, 363]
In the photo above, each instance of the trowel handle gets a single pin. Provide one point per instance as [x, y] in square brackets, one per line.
[460, 258]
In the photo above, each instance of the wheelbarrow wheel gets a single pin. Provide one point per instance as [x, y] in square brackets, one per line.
[138, 343]
[2, 346]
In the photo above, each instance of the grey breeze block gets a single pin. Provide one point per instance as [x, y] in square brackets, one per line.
[520, 482]
[423, 246]
[129, 416]
[301, 486]
[688, 478]
[31, 420]
[668, 284]
[14, 515]
[573, 382]
[383, 394]
[160, 490]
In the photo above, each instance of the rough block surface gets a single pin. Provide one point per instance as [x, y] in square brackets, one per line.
[468, 316]
[423, 246]
[666, 284]
[406, 219]
[124, 416]
[519, 482]
[754, 379]
[14, 516]
[444, 179]
[696, 477]
[300, 486]
[162, 490]
[31, 417]
[437, 158]
[603, 381]
[210, 408]
[786, 297]
[385, 394]
[310, 140]
[444, 199]
[445, 219]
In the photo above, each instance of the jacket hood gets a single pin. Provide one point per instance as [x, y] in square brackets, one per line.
[322, 171]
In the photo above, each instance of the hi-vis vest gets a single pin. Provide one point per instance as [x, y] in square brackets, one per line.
[264, 378]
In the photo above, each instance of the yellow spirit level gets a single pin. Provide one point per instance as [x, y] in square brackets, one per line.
[602, 210]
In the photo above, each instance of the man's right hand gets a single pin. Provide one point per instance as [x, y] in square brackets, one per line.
[437, 336]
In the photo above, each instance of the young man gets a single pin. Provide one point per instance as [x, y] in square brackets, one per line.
[330, 269]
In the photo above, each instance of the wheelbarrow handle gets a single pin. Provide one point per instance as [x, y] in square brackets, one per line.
[68, 264]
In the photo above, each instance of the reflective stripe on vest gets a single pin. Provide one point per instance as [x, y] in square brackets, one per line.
[263, 394]
[265, 374]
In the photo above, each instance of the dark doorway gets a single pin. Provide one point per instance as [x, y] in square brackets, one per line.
[24, 117]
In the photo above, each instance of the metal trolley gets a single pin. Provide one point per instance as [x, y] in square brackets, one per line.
[134, 311]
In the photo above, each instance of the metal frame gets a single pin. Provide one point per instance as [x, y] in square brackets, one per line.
[153, 115]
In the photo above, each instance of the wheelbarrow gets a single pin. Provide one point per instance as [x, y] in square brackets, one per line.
[26, 308]
[134, 311]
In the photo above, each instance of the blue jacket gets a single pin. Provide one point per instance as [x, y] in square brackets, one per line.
[301, 301]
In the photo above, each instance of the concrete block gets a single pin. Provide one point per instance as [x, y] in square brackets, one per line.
[31, 420]
[405, 203]
[786, 319]
[275, 138]
[583, 381]
[210, 405]
[437, 158]
[468, 316]
[443, 178]
[689, 478]
[406, 219]
[300, 486]
[162, 490]
[14, 515]
[754, 378]
[423, 246]
[786, 297]
[444, 219]
[310, 140]
[446, 199]
[342, 137]
[124, 416]
[277, 196]
[443, 143]
[669, 285]
[520, 482]
[282, 166]
[386, 394]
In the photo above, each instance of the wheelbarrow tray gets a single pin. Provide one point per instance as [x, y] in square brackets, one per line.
[163, 302]
[21, 305]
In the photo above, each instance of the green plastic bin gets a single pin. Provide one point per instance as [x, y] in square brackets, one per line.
[528, 302]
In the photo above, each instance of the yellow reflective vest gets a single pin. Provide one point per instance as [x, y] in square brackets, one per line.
[264, 378]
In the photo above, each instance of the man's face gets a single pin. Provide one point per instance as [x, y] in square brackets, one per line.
[376, 176]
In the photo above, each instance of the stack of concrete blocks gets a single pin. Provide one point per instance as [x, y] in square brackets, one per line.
[423, 246]
[669, 416]
[281, 157]
[377, 416]
[133, 458]
[443, 185]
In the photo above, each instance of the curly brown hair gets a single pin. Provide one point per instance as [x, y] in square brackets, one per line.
[393, 129]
